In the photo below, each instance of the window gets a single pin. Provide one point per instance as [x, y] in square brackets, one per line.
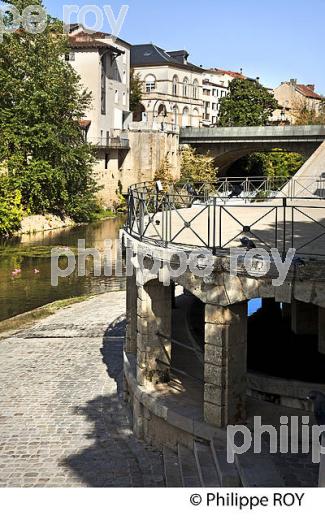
[124, 76]
[106, 160]
[124, 98]
[103, 85]
[185, 87]
[70, 56]
[214, 106]
[196, 89]
[175, 86]
[116, 96]
[214, 92]
[150, 83]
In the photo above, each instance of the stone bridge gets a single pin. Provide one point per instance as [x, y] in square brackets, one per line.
[228, 145]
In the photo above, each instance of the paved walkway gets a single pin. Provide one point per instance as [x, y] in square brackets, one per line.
[62, 420]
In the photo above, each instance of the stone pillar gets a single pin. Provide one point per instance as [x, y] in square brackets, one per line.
[225, 364]
[131, 314]
[304, 318]
[321, 331]
[154, 315]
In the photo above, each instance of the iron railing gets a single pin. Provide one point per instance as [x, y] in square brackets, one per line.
[216, 216]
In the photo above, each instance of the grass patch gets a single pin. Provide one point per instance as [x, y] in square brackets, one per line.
[33, 251]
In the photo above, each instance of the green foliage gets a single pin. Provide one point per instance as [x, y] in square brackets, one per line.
[196, 167]
[41, 105]
[247, 104]
[306, 115]
[120, 206]
[164, 173]
[135, 90]
[11, 210]
[274, 164]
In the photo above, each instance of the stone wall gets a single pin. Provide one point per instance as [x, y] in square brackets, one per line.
[148, 150]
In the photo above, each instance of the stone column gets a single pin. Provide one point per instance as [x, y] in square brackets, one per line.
[131, 314]
[154, 315]
[225, 364]
[321, 331]
[304, 318]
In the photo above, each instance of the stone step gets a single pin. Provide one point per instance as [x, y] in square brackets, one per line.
[227, 473]
[188, 467]
[172, 469]
[206, 466]
[258, 470]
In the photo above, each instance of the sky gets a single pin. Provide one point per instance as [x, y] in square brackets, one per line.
[273, 39]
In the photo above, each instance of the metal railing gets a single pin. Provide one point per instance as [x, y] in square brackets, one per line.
[119, 141]
[216, 216]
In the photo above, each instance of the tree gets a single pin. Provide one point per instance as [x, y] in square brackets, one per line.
[41, 104]
[135, 90]
[196, 167]
[247, 104]
[305, 114]
[11, 210]
[273, 164]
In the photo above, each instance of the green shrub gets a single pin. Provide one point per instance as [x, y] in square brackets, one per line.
[11, 211]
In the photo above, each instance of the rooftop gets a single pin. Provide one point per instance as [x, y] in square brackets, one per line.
[149, 54]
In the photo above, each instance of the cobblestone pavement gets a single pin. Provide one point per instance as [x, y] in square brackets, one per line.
[62, 420]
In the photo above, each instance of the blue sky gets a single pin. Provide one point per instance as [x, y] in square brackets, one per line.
[274, 39]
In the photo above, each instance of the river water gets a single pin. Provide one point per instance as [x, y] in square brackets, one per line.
[25, 267]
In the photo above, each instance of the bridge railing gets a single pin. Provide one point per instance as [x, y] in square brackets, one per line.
[204, 215]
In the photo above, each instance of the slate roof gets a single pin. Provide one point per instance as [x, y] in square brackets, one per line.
[149, 54]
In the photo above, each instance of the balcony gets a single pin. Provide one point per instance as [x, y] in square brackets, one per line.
[115, 142]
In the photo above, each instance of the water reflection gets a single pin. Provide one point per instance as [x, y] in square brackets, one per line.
[25, 268]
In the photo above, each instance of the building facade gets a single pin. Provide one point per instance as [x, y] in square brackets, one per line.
[293, 97]
[103, 64]
[172, 87]
[213, 90]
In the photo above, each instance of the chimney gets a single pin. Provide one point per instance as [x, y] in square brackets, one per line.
[293, 82]
[311, 87]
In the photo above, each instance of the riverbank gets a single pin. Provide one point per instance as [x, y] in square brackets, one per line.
[33, 224]
[39, 223]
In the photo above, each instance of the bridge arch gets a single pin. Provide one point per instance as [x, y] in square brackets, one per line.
[227, 145]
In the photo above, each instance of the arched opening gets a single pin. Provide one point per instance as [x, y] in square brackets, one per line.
[162, 111]
[195, 118]
[277, 163]
[185, 117]
[175, 86]
[175, 115]
[150, 83]
[185, 87]
[139, 114]
[195, 89]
